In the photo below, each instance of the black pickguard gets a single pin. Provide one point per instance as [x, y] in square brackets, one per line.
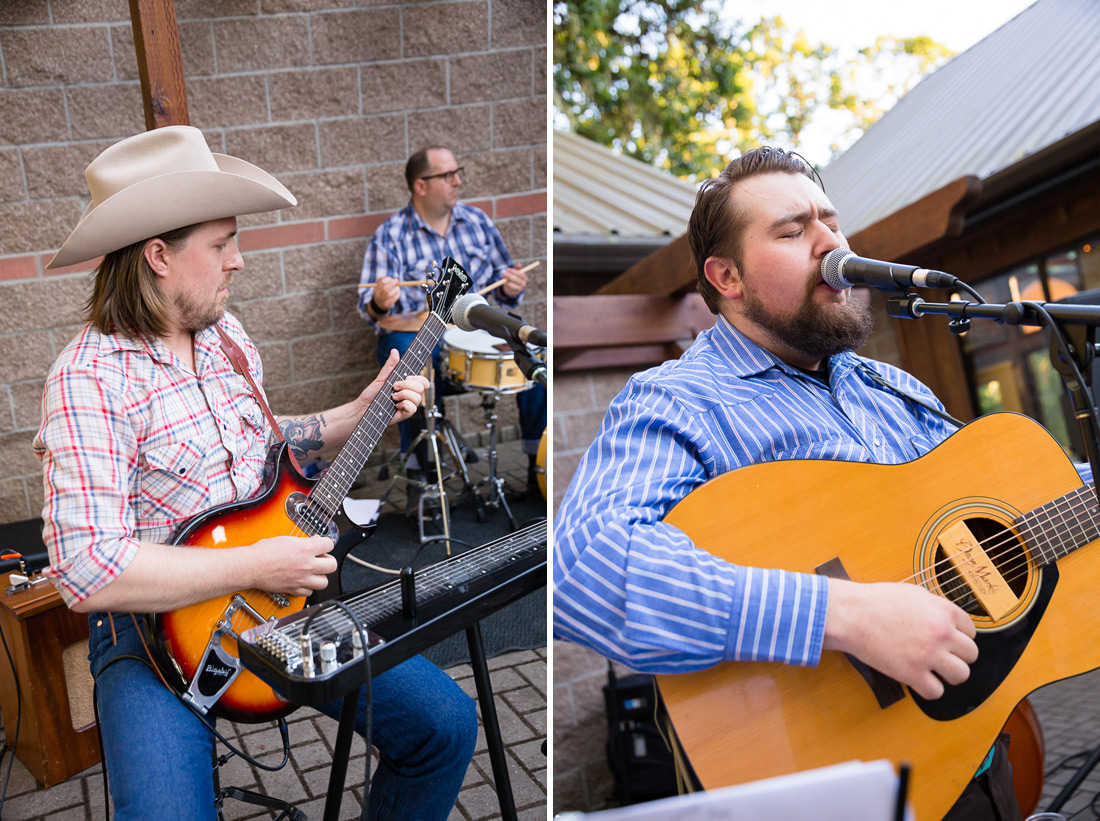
[998, 653]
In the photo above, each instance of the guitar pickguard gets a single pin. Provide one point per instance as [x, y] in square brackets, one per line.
[998, 652]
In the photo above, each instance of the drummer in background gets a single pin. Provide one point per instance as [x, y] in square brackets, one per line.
[433, 226]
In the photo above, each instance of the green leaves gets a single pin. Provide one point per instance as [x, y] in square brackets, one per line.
[678, 85]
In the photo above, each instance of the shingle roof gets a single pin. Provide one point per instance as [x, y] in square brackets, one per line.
[1033, 81]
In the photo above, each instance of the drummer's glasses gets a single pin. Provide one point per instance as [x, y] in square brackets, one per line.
[448, 176]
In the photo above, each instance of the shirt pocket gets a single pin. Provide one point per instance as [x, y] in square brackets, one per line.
[174, 483]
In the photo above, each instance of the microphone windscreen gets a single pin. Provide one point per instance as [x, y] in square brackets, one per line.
[460, 311]
[832, 266]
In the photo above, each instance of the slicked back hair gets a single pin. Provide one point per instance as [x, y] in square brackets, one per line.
[717, 222]
[126, 296]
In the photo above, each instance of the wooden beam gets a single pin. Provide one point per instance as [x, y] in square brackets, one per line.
[157, 43]
[603, 321]
[666, 271]
[934, 216]
[627, 329]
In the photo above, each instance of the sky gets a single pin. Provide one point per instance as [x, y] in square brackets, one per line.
[853, 24]
[958, 24]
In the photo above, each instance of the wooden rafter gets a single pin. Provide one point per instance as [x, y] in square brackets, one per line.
[157, 43]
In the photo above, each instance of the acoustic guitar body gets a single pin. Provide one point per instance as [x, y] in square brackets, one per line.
[741, 722]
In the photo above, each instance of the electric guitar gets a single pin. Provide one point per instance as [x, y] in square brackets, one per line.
[991, 519]
[196, 646]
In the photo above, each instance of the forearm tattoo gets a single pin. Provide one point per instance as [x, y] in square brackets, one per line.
[304, 435]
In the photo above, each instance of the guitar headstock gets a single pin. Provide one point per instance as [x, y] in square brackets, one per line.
[451, 283]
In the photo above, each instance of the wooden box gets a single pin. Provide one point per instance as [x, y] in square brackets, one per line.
[49, 648]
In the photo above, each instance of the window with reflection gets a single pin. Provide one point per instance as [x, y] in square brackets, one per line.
[1011, 366]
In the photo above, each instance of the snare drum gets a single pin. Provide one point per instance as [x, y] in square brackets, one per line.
[479, 360]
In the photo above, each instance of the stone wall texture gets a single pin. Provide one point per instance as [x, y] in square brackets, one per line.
[331, 96]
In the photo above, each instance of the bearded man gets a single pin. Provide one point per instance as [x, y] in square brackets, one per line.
[775, 378]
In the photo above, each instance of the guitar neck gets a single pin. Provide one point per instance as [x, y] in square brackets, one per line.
[329, 492]
[1057, 528]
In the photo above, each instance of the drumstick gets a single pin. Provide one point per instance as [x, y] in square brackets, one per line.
[402, 284]
[500, 282]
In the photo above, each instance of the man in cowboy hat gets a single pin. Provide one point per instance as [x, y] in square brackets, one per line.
[145, 424]
[435, 225]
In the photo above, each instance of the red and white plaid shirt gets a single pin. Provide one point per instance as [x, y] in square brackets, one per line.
[133, 444]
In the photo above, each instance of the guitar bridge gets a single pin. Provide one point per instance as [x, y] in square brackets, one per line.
[218, 669]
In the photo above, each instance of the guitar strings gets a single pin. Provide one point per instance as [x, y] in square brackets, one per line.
[1041, 524]
[320, 510]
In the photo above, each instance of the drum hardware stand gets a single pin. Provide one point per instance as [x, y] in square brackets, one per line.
[436, 430]
[494, 482]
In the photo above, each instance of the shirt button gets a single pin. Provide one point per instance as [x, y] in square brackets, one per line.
[878, 443]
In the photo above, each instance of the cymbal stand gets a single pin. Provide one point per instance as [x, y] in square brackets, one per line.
[494, 482]
[436, 430]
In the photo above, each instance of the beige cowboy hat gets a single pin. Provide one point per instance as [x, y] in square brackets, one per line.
[161, 180]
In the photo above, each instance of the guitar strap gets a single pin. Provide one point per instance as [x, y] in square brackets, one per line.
[239, 360]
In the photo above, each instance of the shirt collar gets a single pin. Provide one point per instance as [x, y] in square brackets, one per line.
[206, 346]
[748, 358]
[411, 214]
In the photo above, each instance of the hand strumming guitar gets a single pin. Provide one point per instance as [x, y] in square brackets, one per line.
[902, 630]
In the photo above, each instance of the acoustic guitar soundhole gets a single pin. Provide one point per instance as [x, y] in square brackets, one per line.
[1004, 552]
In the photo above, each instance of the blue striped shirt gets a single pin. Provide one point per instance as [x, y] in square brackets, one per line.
[636, 589]
[404, 247]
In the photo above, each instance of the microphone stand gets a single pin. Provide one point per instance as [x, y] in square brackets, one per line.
[533, 369]
[1072, 347]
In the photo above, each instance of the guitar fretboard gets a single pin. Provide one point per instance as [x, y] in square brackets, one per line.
[1061, 526]
[328, 494]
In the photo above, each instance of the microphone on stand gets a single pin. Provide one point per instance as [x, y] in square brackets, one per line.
[840, 268]
[471, 312]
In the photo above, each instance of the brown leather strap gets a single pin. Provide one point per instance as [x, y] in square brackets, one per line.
[239, 360]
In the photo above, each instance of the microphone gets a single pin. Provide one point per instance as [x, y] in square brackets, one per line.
[842, 269]
[471, 312]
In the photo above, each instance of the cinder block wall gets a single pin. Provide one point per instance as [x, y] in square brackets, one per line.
[329, 98]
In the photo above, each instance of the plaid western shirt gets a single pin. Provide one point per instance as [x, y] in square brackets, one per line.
[133, 444]
[404, 246]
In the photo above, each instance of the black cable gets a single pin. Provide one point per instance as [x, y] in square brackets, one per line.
[18, 720]
[962, 286]
[366, 683]
[99, 735]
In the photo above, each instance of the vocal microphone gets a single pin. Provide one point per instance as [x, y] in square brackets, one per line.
[471, 312]
[842, 269]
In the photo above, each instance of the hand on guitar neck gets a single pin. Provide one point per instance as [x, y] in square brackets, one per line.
[901, 630]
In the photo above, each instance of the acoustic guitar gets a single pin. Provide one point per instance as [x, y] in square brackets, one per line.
[196, 646]
[995, 519]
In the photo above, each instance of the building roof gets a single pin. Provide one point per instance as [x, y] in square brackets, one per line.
[1030, 83]
[599, 193]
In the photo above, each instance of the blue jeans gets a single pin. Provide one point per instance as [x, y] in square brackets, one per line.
[531, 402]
[158, 753]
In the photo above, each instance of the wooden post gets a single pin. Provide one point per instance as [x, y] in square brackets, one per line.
[157, 43]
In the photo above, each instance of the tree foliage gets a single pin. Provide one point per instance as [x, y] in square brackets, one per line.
[678, 85]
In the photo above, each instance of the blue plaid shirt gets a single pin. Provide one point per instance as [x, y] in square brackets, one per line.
[636, 589]
[404, 247]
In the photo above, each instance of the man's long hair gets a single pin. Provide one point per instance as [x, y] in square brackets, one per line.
[126, 297]
[718, 221]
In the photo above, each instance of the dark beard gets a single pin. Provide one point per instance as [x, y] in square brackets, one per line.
[813, 331]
